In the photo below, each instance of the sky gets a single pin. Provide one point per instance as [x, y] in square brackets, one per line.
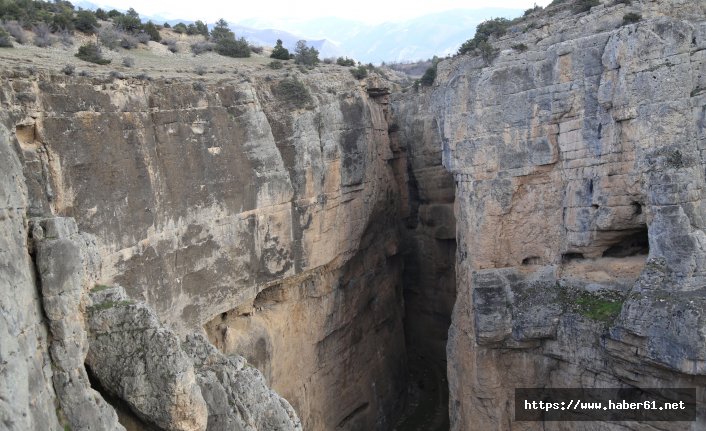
[367, 11]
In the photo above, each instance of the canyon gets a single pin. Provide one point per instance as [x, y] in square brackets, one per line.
[192, 253]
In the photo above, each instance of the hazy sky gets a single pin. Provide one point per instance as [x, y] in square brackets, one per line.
[370, 11]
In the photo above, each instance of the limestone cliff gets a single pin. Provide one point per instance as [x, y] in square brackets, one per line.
[226, 208]
[579, 170]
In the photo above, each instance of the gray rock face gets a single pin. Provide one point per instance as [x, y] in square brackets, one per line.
[580, 175]
[59, 263]
[223, 199]
[141, 362]
[236, 393]
[27, 397]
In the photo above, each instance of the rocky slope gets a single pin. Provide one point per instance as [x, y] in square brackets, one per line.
[580, 209]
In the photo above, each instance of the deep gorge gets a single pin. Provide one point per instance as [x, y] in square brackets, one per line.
[208, 253]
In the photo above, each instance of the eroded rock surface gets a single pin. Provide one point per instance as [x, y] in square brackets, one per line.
[228, 198]
[580, 176]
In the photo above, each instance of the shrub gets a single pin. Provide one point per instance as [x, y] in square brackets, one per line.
[487, 52]
[109, 37]
[530, 11]
[179, 28]
[66, 39]
[584, 5]
[345, 61]
[631, 18]
[143, 76]
[128, 61]
[201, 28]
[484, 31]
[233, 48]
[520, 47]
[221, 31]
[294, 92]
[5, 41]
[129, 22]
[86, 21]
[63, 20]
[359, 72]
[101, 14]
[256, 49]
[279, 52]
[329, 60]
[16, 31]
[112, 14]
[303, 54]
[429, 76]
[128, 41]
[201, 47]
[200, 70]
[92, 53]
[171, 45]
[42, 35]
[274, 64]
[152, 31]
[143, 38]
[68, 69]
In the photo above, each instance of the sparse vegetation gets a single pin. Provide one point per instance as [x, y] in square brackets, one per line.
[171, 45]
[129, 22]
[109, 38]
[128, 61]
[430, 74]
[201, 47]
[306, 55]
[294, 92]
[226, 43]
[66, 39]
[279, 52]
[237, 48]
[5, 41]
[599, 308]
[584, 5]
[92, 53]
[631, 18]
[345, 61]
[128, 41]
[42, 35]
[487, 51]
[16, 31]
[99, 288]
[495, 27]
[532, 10]
[359, 72]
[86, 21]
[275, 64]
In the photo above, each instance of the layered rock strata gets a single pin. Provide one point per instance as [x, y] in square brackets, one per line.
[579, 167]
[260, 212]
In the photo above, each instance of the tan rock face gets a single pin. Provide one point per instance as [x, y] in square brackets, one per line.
[231, 208]
[580, 180]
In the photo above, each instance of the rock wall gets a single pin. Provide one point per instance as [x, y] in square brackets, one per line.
[264, 219]
[579, 166]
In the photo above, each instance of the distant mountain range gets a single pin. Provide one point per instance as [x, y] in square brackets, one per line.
[410, 40]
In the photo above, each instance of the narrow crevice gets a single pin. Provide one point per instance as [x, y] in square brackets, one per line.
[126, 417]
